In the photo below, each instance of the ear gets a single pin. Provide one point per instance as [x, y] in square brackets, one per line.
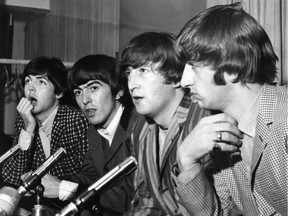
[229, 78]
[177, 85]
[60, 95]
[119, 94]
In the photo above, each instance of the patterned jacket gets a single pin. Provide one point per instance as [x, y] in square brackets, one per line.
[155, 189]
[68, 131]
[267, 187]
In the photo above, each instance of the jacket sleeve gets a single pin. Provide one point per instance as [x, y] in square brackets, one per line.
[18, 164]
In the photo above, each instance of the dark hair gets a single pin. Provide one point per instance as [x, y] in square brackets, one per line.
[154, 47]
[230, 40]
[53, 68]
[99, 67]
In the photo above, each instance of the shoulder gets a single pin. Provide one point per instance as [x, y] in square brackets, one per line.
[70, 114]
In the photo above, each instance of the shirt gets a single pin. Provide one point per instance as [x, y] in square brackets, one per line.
[109, 132]
[45, 130]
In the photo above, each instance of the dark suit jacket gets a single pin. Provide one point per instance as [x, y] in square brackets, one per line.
[101, 158]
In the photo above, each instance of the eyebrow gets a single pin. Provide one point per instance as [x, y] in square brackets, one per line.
[89, 84]
[39, 77]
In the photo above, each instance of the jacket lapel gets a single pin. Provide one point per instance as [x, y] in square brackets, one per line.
[95, 141]
[58, 129]
[121, 134]
[264, 120]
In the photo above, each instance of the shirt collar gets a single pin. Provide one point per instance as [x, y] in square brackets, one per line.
[48, 123]
[109, 132]
[247, 123]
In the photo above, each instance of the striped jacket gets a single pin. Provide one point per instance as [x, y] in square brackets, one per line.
[153, 181]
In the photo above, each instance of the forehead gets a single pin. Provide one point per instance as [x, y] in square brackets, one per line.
[150, 65]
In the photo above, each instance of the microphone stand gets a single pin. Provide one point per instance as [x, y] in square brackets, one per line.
[39, 209]
[97, 209]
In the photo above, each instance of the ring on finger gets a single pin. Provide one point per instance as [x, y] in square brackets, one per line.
[219, 136]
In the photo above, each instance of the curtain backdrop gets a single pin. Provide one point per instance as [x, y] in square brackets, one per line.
[272, 15]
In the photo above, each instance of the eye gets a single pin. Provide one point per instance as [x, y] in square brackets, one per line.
[27, 81]
[93, 88]
[42, 82]
[76, 92]
[127, 73]
[143, 70]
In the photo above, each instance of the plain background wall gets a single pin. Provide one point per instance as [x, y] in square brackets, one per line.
[139, 16]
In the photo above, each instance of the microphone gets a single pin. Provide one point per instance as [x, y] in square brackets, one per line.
[35, 178]
[10, 197]
[100, 186]
[14, 150]
[9, 153]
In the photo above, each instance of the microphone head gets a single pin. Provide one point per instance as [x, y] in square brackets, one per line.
[9, 199]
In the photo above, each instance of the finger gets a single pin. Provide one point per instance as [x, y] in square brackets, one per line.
[24, 105]
[231, 139]
[222, 146]
[228, 128]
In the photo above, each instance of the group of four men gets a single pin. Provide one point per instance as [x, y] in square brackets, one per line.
[209, 134]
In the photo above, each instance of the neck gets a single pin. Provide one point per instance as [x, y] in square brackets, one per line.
[241, 98]
[164, 118]
[112, 115]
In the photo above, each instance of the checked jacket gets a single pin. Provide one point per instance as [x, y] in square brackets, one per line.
[265, 192]
[68, 131]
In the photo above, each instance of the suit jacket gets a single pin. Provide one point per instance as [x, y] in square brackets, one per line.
[68, 131]
[236, 193]
[101, 158]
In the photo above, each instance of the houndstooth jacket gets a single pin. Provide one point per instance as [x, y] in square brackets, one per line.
[68, 131]
[267, 187]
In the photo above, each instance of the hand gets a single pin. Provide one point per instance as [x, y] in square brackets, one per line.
[51, 185]
[203, 137]
[25, 176]
[21, 212]
[24, 108]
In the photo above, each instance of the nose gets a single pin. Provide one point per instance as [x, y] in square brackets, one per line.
[86, 98]
[31, 86]
[133, 81]
[187, 76]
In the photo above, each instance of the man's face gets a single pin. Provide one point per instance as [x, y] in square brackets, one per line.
[96, 101]
[199, 79]
[150, 95]
[40, 92]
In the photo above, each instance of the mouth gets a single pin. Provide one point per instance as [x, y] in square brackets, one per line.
[137, 99]
[90, 112]
[33, 100]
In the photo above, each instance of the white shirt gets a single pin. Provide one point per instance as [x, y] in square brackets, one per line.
[109, 132]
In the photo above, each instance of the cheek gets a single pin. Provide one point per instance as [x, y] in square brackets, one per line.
[79, 102]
